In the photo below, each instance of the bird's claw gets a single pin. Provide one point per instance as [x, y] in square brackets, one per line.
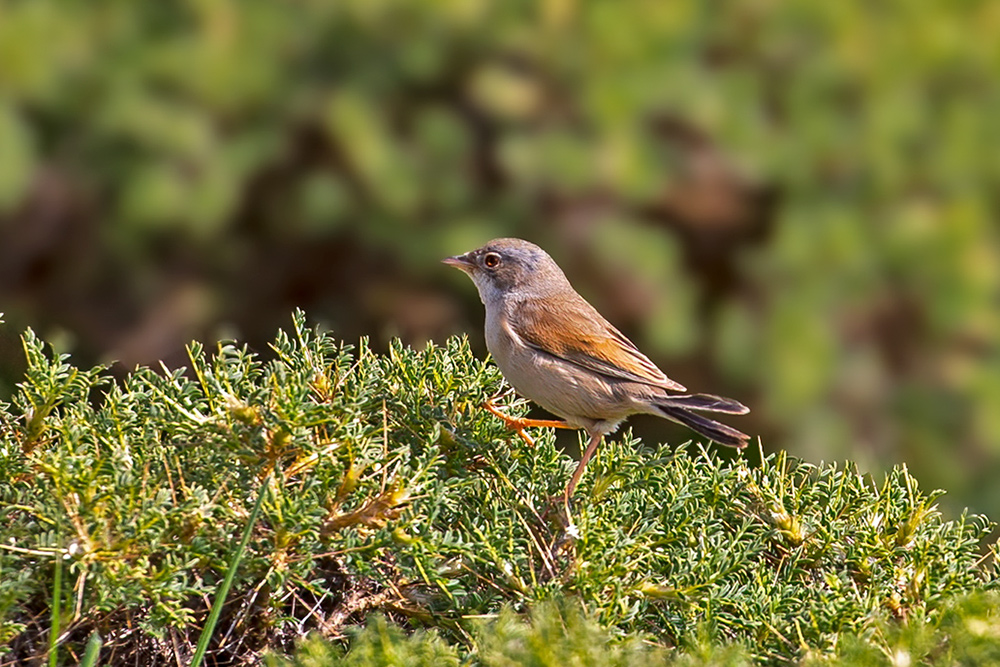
[516, 424]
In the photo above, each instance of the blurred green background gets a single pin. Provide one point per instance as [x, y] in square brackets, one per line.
[792, 203]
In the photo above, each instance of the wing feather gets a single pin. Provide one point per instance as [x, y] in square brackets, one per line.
[573, 330]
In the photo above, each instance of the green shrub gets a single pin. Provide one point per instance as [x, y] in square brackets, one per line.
[386, 488]
[967, 632]
[379, 643]
[554, 635]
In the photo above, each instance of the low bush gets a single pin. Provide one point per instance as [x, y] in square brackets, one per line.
[384, 488]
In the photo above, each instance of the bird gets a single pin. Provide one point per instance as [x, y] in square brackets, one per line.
[558, 351]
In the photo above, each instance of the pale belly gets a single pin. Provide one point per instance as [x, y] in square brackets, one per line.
[581, 397]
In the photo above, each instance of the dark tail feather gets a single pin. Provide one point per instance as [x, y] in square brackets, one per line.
[706, 402]
[711, 429]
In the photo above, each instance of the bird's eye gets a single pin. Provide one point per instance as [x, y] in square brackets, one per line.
[491, 260]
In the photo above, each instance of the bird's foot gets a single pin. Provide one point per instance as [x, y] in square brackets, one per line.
[518, 424]
[557, 511]
[565, 533]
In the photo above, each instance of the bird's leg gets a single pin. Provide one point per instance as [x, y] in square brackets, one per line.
[518, 424]
[595, 439]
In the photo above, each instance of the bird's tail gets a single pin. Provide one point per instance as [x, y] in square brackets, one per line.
[679, 409]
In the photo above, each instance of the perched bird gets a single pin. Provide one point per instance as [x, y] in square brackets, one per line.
[555, 349]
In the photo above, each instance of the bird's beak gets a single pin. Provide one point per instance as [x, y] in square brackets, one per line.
[459, 262]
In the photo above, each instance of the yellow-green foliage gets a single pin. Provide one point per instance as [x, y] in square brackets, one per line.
[966, 632]
[553, 635]
[391, 490]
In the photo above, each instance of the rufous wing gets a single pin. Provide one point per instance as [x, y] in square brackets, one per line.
[571, 329]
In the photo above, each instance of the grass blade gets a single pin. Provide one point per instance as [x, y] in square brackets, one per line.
[220, 596]
[54, 625]
[93, 651]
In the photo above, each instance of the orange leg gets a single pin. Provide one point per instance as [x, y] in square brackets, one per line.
[518, 424]
[595, 439]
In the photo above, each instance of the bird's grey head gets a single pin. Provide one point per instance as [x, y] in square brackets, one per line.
[510, 268]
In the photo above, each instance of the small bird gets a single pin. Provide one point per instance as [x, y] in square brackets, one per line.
[555, 349]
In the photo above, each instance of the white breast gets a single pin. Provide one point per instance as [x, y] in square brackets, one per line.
[553, 384]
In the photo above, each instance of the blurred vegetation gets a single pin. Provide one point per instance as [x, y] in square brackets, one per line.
[965, 634]
[793, 203]
[552, 636]
[385, 487]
